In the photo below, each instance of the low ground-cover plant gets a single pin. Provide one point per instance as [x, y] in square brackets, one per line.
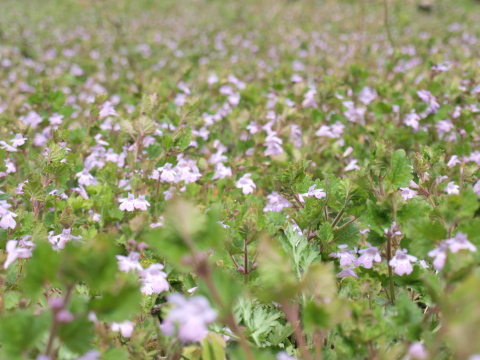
[251, 180]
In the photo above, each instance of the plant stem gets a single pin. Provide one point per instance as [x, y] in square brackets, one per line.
[291, 312]
[230, 319]
[390, 270]
[55, 325]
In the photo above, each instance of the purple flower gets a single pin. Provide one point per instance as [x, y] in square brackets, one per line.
[154, 280]
[246, 184]
[476, 188]
[85, 178]
[14, 252]
[347, 257]
[273, 144]
[168, 174]
[368, 256]
[430, 100]
[347, 272]
[413, 120]
[367, 95]
[125, 328]
[141, 203]
[440, 255]
[58, 241]
[276, 202]
[127, 203]
[18, 140]
[416, 351]
[130, 262]
[460, 242]
[189, 317]
[452, 188]
[407, 193]
[221, 171]
[453, 161]
[401, 262]
[107, 110]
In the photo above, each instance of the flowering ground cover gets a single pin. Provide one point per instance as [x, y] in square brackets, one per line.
[239, 180]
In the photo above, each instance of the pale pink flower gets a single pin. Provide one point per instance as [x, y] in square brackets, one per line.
[460, 242]
[367, 95]
[416, 351]
[127, 203]
[347, 272]
[246, 184]
[368, 256]
[85, 178]
[476, 188]
[18, 140]
[58, 241]
[125, 328]
[168, 174]
[452, 188]
[276, 202]
[401, 262]
[130, 262]
[347, 257]
[107, 110]
[154, 280]
[407, 193]
[221, 171]
[14, 252]
[440, 255]
[141, 203]
[189, 317]
[453, 161]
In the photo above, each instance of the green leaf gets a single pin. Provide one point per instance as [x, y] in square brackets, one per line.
[33, 190]
[21, 331]
[77, 334]
[120, 303]
[116, 354]
[213, 347]
[400, 173]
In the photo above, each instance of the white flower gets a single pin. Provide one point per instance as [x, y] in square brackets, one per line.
[125, 328]
[141, 203]
[347, 257]
[168, 174]
[154, 280]
[14, 252]
[453, 161]
[107, 110]
[460, 242]
[221, 171]
[189, 316]
[85, 178]
[416, 351]
[367, 95]
[452, 188]
[401, 262]
[347, 272]
[440, 255]
[18, 140]
[276, 202]
[8, 221]
[476, 188]
[130, 262]
[159, 223]
[318, 193]
[368, 257]
[58, 241]
[127, 203]
[246, 184]
[407, 193]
